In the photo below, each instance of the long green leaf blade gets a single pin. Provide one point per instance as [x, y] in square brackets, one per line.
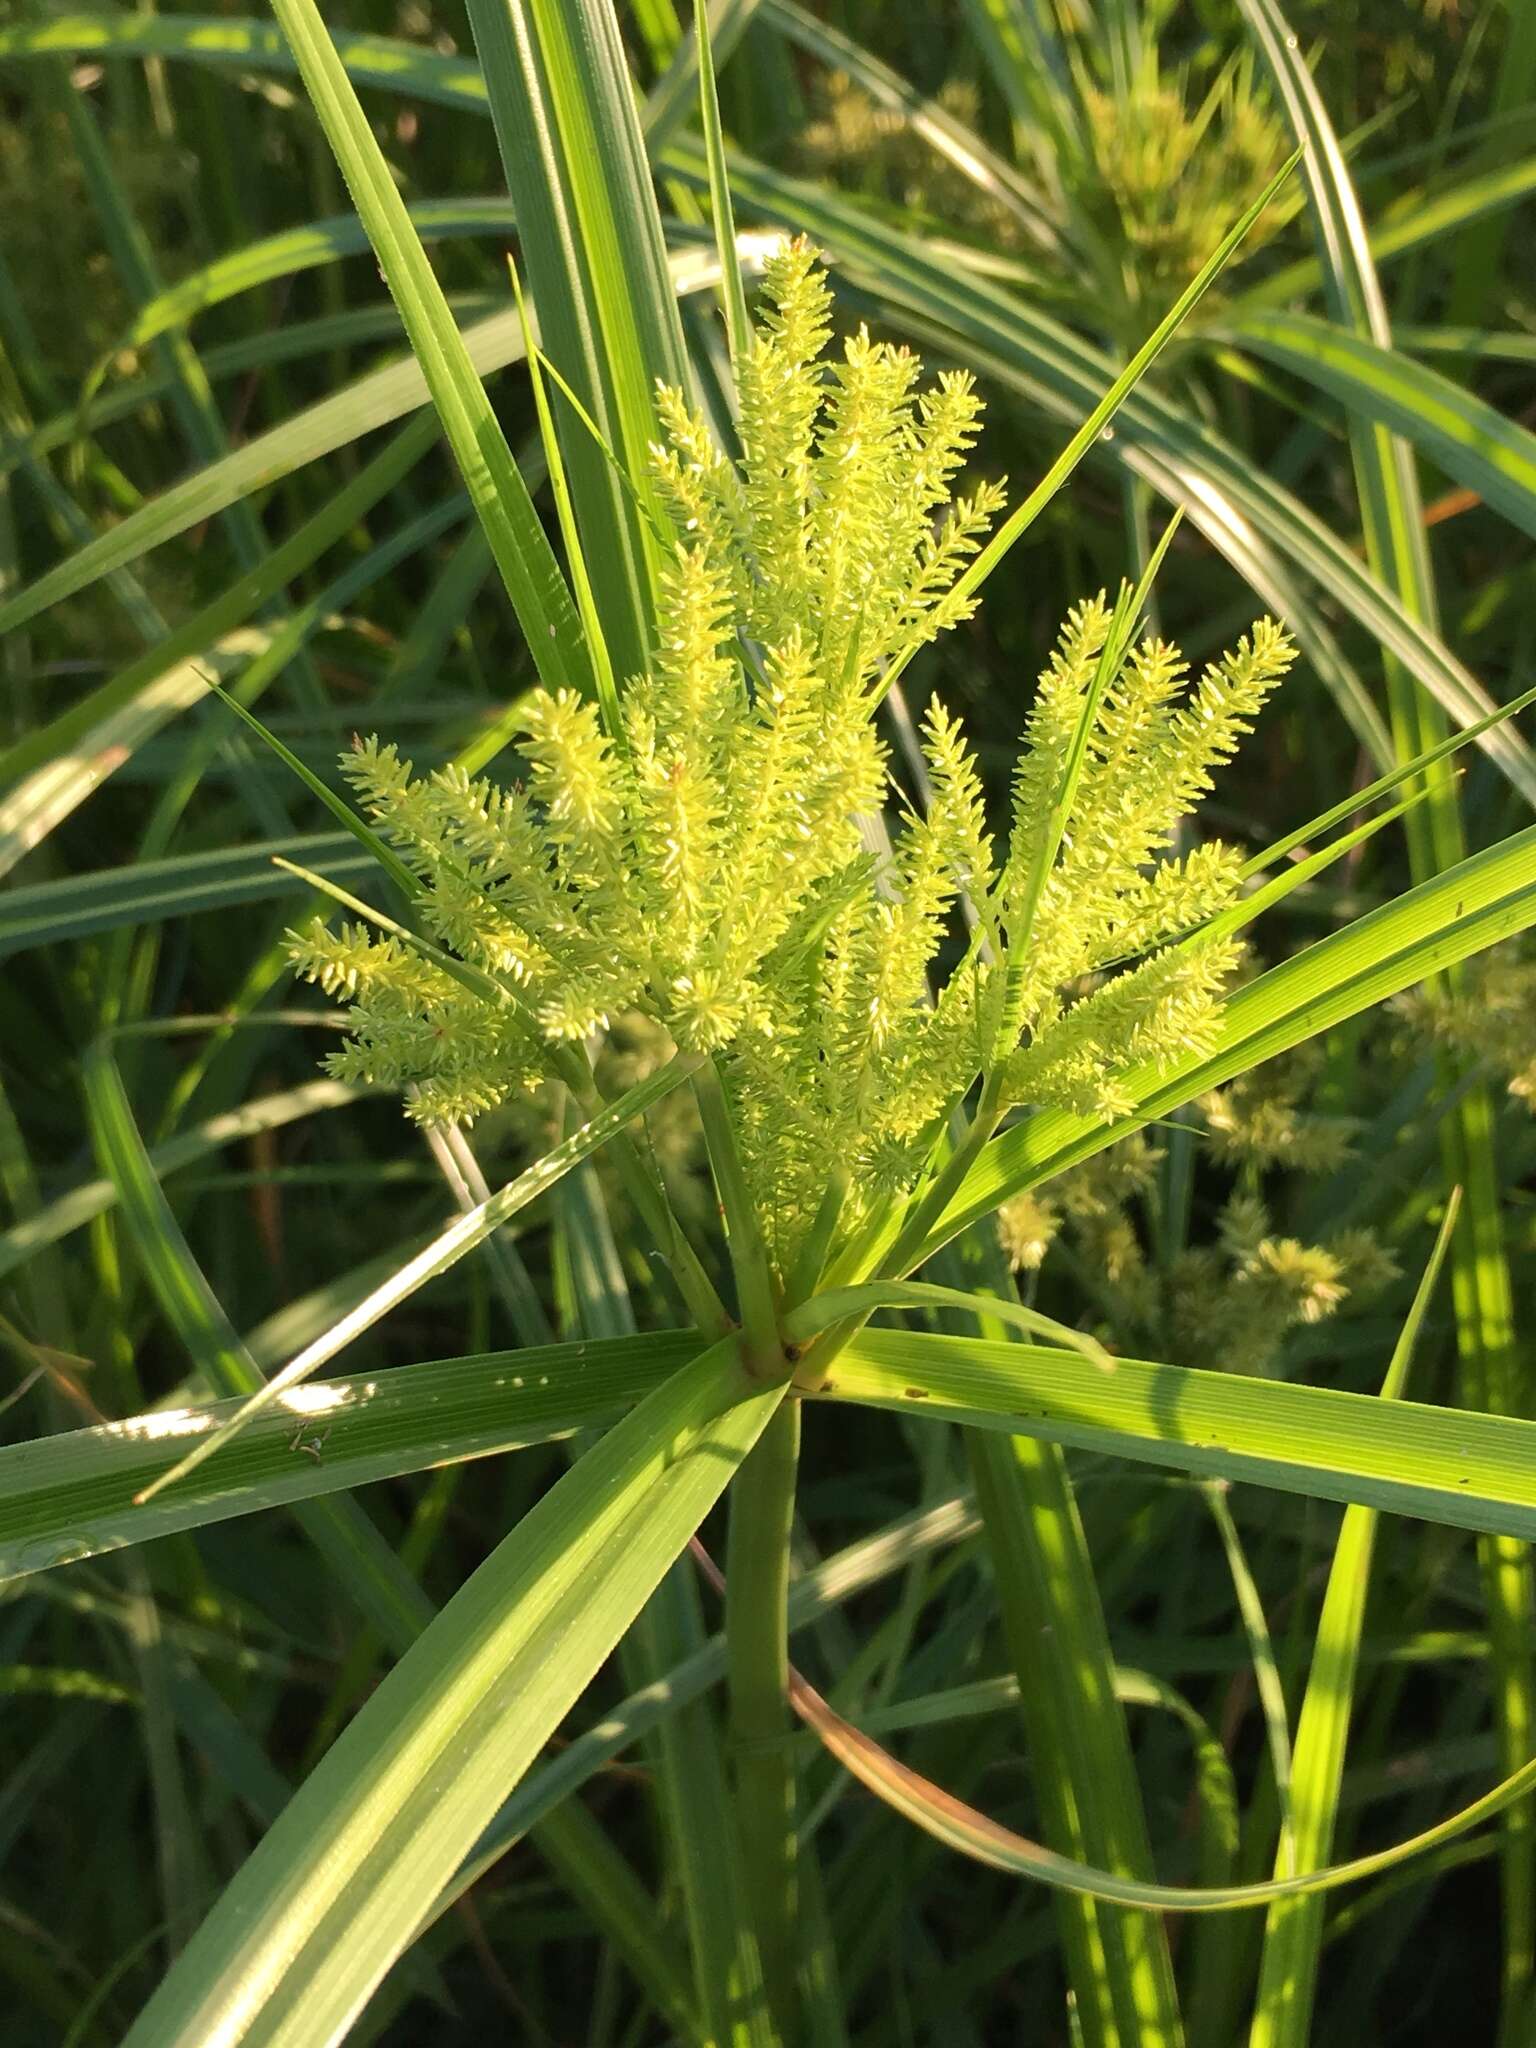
[1293, 1934]
[1470, 441]
[1397, 547]
[444, 1251]
[365, 1565]
[1448, 1465]
[982, 1839]
[297, 1942]
[72, 1496]
[496, 488]
[565, 119]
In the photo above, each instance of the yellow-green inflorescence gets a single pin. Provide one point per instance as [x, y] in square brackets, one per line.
[708, 864]
[1489, 1015]
[1143, 182]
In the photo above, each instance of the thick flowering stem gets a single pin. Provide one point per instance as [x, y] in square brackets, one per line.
[757, 1662]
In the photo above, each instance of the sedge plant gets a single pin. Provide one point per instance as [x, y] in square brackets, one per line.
[702, 861]
[866, 1021]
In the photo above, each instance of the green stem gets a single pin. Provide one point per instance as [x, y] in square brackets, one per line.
[903, 1255]
[763, 1347]
[812, 1259]
[909, 1250]
[643, 1184]
[757, 1667]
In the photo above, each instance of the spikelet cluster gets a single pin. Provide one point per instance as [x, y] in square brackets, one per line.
[1140, 198]
[862, 145]
[1491, 1016]
[1263, 1119]
[1230, 1302]
[1168, 179]
[1233, 1302]
[1109, 897]
[706, 866]
[1094, 1204]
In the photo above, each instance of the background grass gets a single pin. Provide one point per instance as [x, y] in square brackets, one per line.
[208, 461]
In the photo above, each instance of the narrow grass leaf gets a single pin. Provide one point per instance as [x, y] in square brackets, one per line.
[384, 61]
[73, 1495]
[1393, 521]
[1419, 220]
[566, 126]
[87, 728]
[291, 1952]
[290, 254]
[570, 532]
[733, 297]
[1395, 778]
[962, 1828]
[1447, 1465]
[1468, 439]
[692, 1805]
[365, 1565]
[824, 1311]
[812, 1596]
[1058, 1644]
[379, 850]
[496, 488]
[1293, 1934]
[444, 1251]
[69, 1212]
[48, 794]
[1267, 1681]
[154, 892]
[373, 400]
